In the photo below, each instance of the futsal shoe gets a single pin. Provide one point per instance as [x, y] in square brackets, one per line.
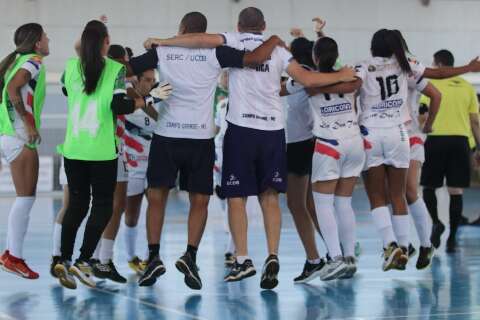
[4, 257]
[229, 259]
[154, 270]
[241, 271]
[411, 251]
[334, 269]
[188, 267]
[352, 268]
[425, 257]
[437, 231]
[55, 260]
[82, 270]
[391, 255]
[64, 276]
[109, 271]
[271, 268]
[137, 265]
[19, 267]
[310, 271]
[402, 260]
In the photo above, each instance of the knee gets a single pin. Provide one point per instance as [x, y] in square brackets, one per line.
[200, 202]
[295, 205]
[411, 196]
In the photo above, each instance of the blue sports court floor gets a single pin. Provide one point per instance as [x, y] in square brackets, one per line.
[450, 289]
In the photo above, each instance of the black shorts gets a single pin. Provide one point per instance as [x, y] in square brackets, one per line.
[299, 157]
[253, 161]
[446, 157]
[193, 159]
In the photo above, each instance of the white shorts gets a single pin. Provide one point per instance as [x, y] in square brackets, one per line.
[12, 146]
[122, 171]
[417, 149]
[136, 186]
[62, 176]
[334, 159]
[387, 146]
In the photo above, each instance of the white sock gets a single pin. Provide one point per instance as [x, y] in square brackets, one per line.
[231, 245]
[383, 221]
[421, 219]
[106, 250]
[328, 224]
[96, 253]
[346, 224]
[401, 227]
[241, 259]
[57, 237]
[18, 219]
[130, 234]
[314, 261]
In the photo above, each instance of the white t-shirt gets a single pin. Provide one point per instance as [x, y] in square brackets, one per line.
[254, 100]
[299, 117]
[384, 91]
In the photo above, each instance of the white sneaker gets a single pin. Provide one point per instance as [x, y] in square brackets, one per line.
[333, 269]
[352, 268]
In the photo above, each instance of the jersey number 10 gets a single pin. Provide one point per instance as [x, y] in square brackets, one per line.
[389, 86]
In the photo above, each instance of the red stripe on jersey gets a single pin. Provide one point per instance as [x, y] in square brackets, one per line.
[132, 163]
[415, 140]
[327, 150]
[367, 145]
[120, 131]
[132, 143]
[30, 100]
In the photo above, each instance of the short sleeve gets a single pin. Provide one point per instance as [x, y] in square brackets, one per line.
[293, 86]
[146, 61]
[33, 66]
[473, 108]
[285, 57]
[231, 40]
[229, 57]
[421, 85]
[418, 69]
[120, 86]
[361, 71]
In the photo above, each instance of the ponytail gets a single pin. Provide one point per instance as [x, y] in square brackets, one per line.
[387, 43]
[25, 39]
[91, 58]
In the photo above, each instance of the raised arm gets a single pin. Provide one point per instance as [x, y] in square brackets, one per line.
[316, 79]
[344, 87]
[449, 72]
[191, 40]
[435, 99]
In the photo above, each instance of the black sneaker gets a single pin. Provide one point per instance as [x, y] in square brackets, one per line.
[451, 245]
[270, 272]
[113, 274]
[155, 269]
[55, 260]
[229, 260]
[99, 270]
[241, 271]
[411, 251]
[437, 230]
[424, 257]
[188, 267]
[310, 272]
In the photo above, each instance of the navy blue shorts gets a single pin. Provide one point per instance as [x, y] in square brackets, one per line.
[253, 161]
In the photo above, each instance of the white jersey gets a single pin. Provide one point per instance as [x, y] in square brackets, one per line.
[139, 128]
[334, 116]
[299, 117]
[254, 93]
[384, 91]
[411, 114]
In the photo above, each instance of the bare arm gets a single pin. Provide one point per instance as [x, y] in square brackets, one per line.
[21, 78]
[262, 53]
[344, 87]
[449, 72]
[191, 40]
[317, 79]
[475, 124]
[435, 99]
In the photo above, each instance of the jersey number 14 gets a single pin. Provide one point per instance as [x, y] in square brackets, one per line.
[87, 122]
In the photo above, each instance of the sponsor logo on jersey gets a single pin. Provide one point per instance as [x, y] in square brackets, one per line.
[263, 68]
[233, 181]
[277, 178]
[336, 109]
[389, 104]
[188, 57]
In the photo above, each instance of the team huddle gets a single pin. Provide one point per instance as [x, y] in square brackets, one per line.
[142, 125]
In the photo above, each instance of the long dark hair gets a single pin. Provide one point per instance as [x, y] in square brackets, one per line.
[326, 53]
[91, 59]
[25, 39]
[386, 43]
[301, 49]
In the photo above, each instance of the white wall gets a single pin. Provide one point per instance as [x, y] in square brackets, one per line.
[451, 24]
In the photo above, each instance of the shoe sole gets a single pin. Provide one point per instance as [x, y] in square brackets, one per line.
[190, 280]
[246, 275]
[335, 274]
[311, 277]
[150, 281]
[79, 275]
[17, 273]
[62, 275]
[269, 277]
[349, 273]
[401, 263]
[393, 260]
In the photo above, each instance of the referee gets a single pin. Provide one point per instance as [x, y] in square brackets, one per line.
[447, 151]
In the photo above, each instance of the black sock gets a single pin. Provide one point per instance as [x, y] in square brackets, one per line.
[430, 199]
[153, 251]
[192, 251]
[456, 208]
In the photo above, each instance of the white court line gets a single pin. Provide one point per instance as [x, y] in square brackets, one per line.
[412, 316]
[148, 304]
